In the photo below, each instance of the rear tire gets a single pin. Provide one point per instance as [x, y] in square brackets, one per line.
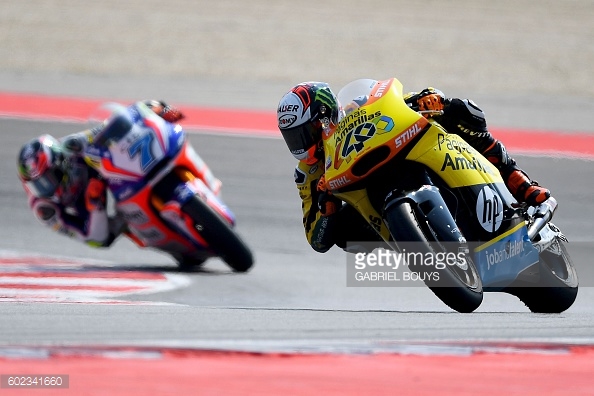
[557, 286]
[459, 289]
[219, 235]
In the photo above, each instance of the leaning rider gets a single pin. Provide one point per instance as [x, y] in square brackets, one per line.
[66, 194]
[311, 108]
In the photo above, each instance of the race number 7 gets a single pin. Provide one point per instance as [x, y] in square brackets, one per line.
[142, 146]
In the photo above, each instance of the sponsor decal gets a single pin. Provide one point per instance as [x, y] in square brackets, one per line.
[142, 148]
[501, 253]
[381, 89]
[356, 138]
[292, 110]
[318, 235]
[351, 121]
[286, 108]
[463, 163]
[337, 183]
[471, 132]
[489, 209]
[324, 96]
[93, 150]
[116, 181]
[151, 235]
[136, 217]
[286, 120]
[448, 144]
[125, 194]
[364, 127]
[407, 135]
[385, 123]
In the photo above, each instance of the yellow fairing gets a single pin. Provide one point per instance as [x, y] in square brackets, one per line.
[385, 123]
[454, 160]
[374, 133]
[359, 200]
[384, 127]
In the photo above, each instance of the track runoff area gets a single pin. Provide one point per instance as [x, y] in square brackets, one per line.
[454, 369]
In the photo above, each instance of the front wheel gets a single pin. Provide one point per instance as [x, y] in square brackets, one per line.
[459, 285]
[219, 235]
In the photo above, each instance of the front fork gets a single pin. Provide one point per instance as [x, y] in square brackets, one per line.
[429, 207]
[542, 233]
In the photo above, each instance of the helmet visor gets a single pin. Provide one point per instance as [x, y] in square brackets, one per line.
[301, 138]
[46, 185]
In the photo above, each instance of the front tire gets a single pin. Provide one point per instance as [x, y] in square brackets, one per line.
[460, 288]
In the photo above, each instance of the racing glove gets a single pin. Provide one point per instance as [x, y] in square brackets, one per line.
[430, 101]
[165, 111]
[328, 204]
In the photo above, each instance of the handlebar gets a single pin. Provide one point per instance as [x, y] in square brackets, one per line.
[543, 214]
[430, 113]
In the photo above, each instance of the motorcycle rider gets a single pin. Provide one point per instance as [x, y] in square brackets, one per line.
[311, 108]
[69, 196]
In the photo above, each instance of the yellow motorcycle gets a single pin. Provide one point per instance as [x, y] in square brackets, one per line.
[428, 191]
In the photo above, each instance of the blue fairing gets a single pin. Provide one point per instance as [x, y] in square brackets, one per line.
[122, 122]
[499, 263]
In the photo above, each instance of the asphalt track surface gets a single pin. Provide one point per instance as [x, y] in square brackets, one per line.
[125, 321]
[293, 301]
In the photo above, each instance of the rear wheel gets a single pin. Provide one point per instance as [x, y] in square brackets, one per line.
[556, 287]
[219, 235]
[459, 285]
